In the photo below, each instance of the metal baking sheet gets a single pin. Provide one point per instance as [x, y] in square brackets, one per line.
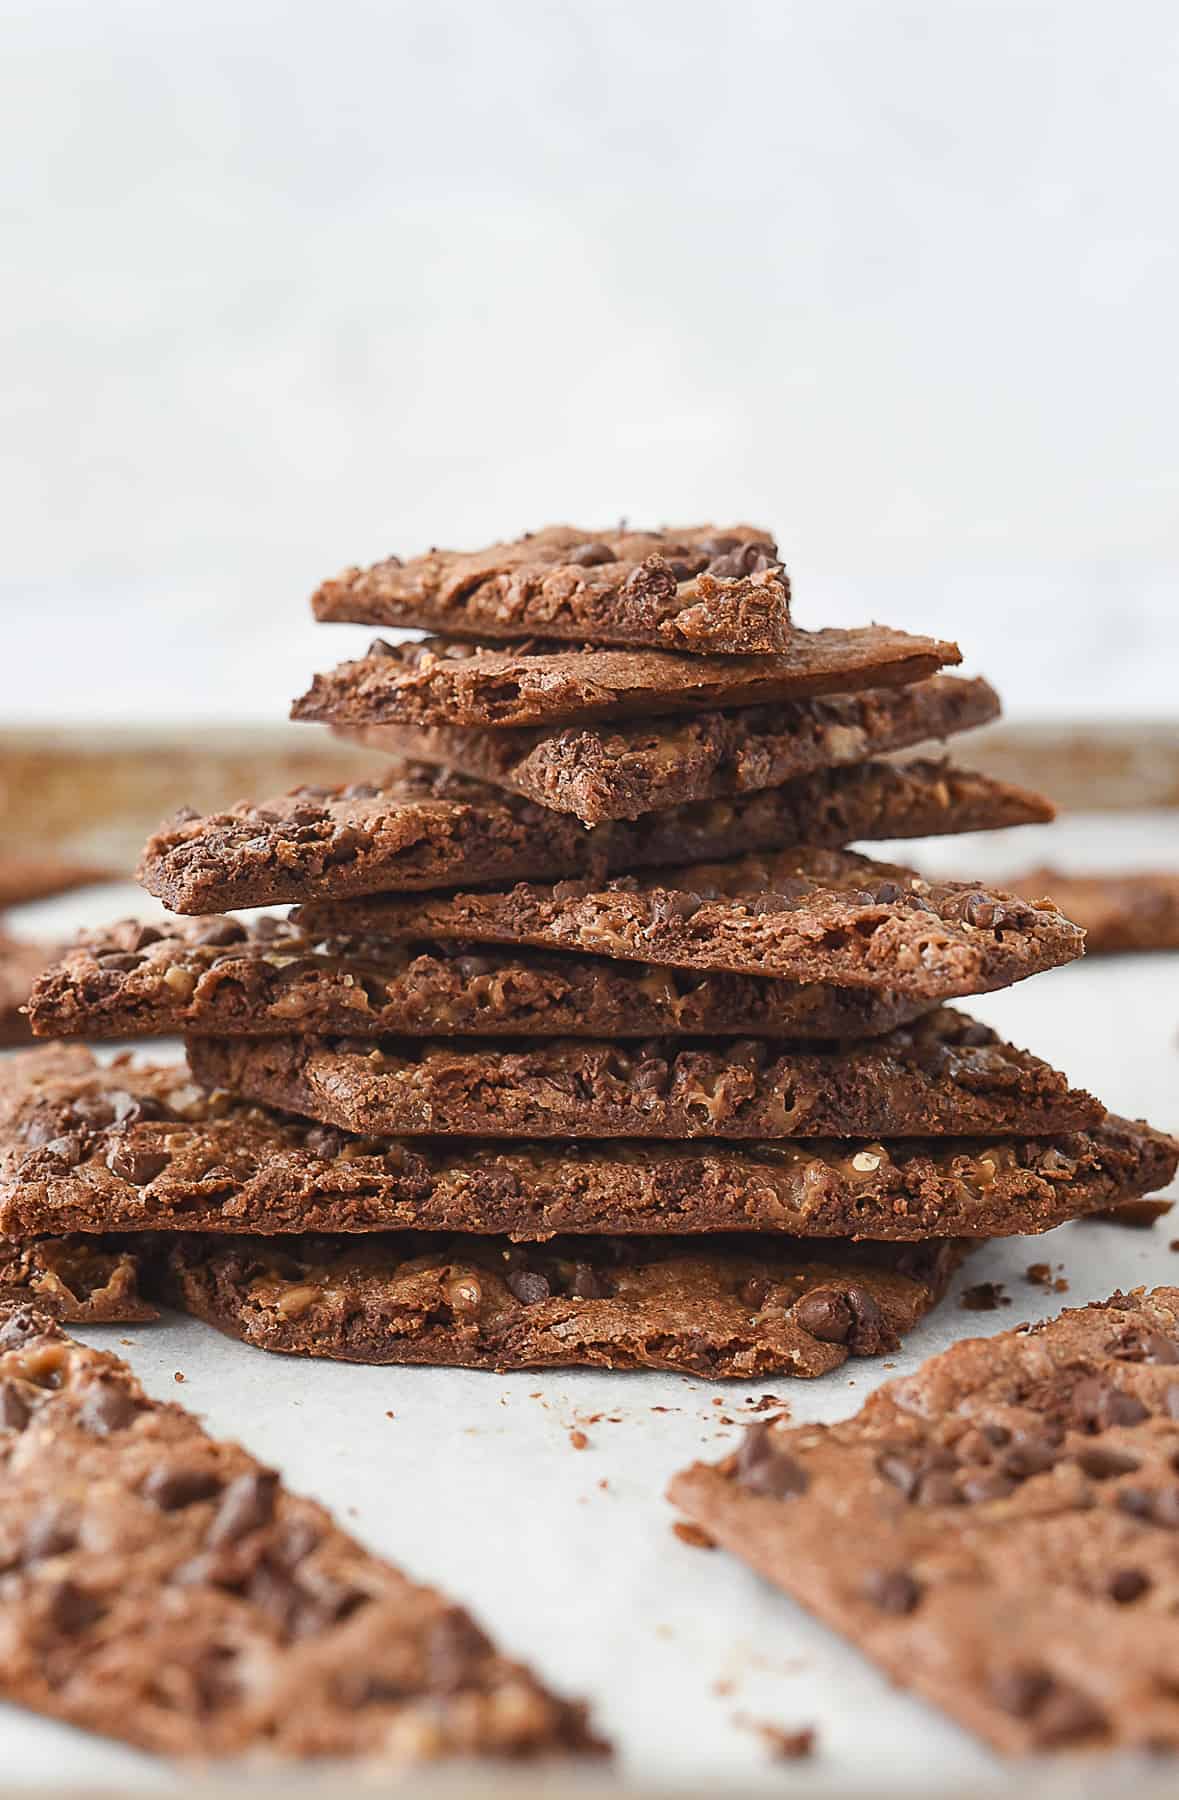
[568, 1556]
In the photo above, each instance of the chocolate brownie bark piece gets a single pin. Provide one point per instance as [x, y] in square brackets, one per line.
[729, 1308]
[116, 1148]
[621, 771]
[219, 976]
[700, 589]
[84, 1280]
[1118, 912]
[440, 681]
[945, 1074]
[423, 828]
[20, 964]
[24, 879]
[800, 915]
[997, 1530]
[163, 1587]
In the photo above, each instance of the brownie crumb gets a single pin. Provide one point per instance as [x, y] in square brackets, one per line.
[985, 1296]
[179, 1376]
[1039, 1274]
[578, 1440]
[783, 1746]
[695, 1535]
[1139, 1215]
[767, 1403]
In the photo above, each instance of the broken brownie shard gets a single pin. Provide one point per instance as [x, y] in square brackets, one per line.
[943, 1074]
[718, 1307]
[997, 1531]
[440, 681]
[699, 589]
[221, 976]
[119, 1147]
[423, 828]
[622, 770]
[799, 915]
[1137, 910]
[163, 1587]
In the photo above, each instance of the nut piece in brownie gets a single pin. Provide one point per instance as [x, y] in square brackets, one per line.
[88, 1147]
[220, 976]
[440, 681]
[1137, 910]
[599, 773]
[800, 915]
[998, 1530]
[945, 1074]
[700, 589]
[83, 1280]
[725, 1307]
[425, 828]
[163, 1587]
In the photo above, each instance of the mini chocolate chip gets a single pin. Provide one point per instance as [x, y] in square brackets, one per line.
[903, 1468]
[1144, 1347]
[589, 555]
[71, 1609]
[892, 1590]
[1101, 1464]
[825, 1313]
[324, 1141]
[142, 936]
[1097, 1404]
[980, 911]
[107, 1406]
[360, 790]
[136, 1164]
[1126, 1585]
[171, 1488]
[119, 962]
[753, 1293]
[651, 580]
[720, 545]
[996, 1434]
[67, 1149]
[763, 906]
[218, 932]
[1019, 1691]
[15, 1412]
[668, 904]
[745, 559]
[1065, 1715]
[870, 1331]
[528, 1286]
[987, 1484]
[887, 893]
[1031, 1456]
[381, 647]
[763, 1468]
[1137, 1501]
[246, 1505]
[938, 1489]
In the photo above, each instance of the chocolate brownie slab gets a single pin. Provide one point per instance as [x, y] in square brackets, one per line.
[946, 1074]
[800, 915]
[218, 976]
[997, 1531]
[24, 879]
[599, 773]
[20, 964]
[86, 1147]
[700, 589]
[162, 1587]
[83, 1280]
[1138, 910]
[737, 1308]
[424, 828]
[439, 681]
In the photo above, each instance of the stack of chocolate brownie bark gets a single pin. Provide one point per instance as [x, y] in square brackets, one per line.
[588, 1040]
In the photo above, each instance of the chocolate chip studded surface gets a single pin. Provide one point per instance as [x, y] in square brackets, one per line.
[999, 1531]
[220, 976]
[726, 1308]
[798, 915]
[622, 770]
[165, 1588]
[440, 681]
[99, 1148]
[423, 828]
[701, 588]
[945, 1073]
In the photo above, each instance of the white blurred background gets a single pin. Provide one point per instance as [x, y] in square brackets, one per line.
[295, 285]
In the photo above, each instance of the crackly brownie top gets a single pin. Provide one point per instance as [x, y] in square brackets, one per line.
[945, 1073]
[800, 914]
[620, 770]
[999, 1529]
[698, 589]
[103, 1147]
[721, 1306]
[442, 681]
[217, 974]
[133, 1544]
